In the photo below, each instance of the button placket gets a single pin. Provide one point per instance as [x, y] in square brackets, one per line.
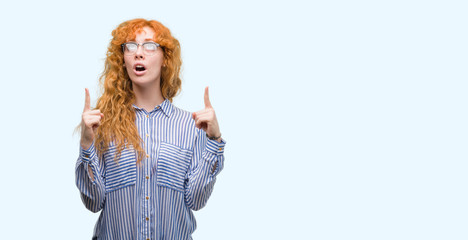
[147, 183]
[146, 186]
[147, 192]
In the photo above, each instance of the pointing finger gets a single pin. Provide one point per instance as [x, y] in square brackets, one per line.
[207, 99]
[95, 112]
[87, 100]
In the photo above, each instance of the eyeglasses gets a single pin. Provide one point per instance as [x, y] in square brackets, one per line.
[149, 48]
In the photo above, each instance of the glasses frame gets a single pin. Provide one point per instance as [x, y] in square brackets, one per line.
[123, 45]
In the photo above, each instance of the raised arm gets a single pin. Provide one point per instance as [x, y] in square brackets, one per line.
[208, 157]
[88, 169]
[207, 162]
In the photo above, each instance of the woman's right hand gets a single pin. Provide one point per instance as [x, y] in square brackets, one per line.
[90, 121]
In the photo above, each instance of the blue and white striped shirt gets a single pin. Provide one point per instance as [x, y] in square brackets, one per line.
[153, 200]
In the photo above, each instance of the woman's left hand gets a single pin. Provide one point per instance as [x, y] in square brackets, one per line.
[206, 119]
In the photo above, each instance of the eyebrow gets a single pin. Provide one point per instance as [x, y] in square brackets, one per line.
[146, 39]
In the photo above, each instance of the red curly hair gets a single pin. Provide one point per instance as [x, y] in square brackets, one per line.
[118, 125]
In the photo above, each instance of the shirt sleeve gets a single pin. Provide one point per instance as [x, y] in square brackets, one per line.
[207, 162]
[92, 191]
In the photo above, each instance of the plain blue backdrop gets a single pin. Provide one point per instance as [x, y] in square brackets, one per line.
[343, 119]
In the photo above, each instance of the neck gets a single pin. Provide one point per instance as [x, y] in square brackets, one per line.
[148, 97]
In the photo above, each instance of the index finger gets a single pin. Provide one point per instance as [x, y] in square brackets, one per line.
[207, 98]
[87, 105]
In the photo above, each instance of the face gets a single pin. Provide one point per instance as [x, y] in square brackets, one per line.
[142, 69]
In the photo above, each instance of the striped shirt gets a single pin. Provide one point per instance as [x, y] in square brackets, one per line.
[153, 200]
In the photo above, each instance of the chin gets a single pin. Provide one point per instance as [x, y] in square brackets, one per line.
[144, 81]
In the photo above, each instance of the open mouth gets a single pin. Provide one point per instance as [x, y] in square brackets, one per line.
[139, 69]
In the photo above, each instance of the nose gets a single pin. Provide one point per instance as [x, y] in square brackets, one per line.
[139, 53]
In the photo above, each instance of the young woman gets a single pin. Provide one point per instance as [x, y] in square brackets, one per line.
[144, 162]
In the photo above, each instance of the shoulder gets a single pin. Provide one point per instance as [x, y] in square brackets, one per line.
[178, 112]
[181, 116]
[182, 124]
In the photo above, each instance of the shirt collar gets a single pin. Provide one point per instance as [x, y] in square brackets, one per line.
[166, 107]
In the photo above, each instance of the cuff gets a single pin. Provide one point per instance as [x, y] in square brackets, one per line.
[215, 147]
[89, 154]
[87, 157]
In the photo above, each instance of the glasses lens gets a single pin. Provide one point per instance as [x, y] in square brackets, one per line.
[130, 48]
[150, 47]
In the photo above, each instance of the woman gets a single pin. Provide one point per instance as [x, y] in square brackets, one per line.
[144, 162]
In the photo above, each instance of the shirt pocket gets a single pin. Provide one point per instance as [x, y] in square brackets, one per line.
[121, 171]
[172, 166]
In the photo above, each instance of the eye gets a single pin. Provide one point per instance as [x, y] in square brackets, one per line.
[150, 46]
[131, 47]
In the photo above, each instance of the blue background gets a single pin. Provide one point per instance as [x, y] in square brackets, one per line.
[343, 119]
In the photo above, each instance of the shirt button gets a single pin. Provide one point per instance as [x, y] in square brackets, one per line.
[86, 155]
[147, 198]
[147, 116]
[147, 135]
[147, 155]
[220, 149]
[158, 107]
[147, 219]
[147, 177]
